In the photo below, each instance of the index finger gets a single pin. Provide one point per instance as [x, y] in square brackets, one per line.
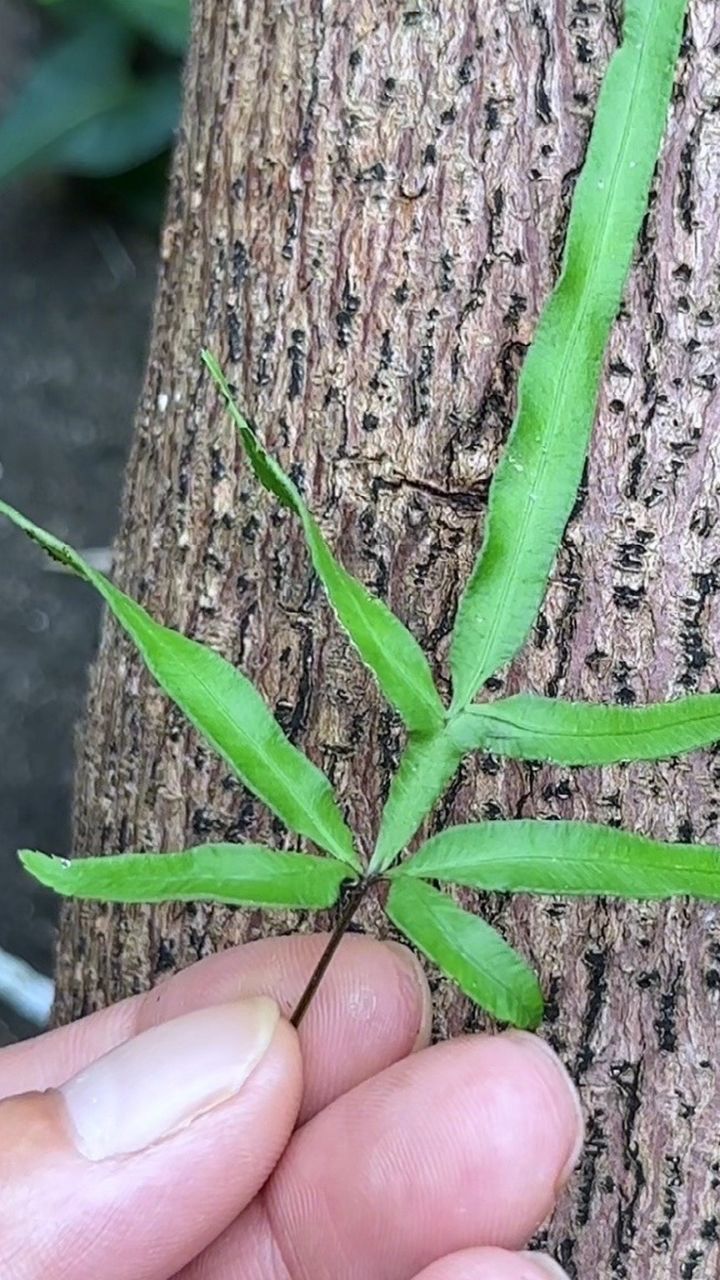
[372, 1008]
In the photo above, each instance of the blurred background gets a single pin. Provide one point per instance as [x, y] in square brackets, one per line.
[89, 96]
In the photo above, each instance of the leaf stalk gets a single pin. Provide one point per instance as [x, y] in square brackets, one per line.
[355, 897]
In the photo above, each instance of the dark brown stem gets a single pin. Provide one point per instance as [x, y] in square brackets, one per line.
[354, 898]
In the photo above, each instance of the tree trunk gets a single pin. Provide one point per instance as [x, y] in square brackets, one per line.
[367, 211]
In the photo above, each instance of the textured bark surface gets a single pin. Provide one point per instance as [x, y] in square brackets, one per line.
[367, 211]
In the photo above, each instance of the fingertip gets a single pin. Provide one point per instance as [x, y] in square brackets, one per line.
[286, 1048]
[540, 1266]
[562, 1092]
[166, 1077]
[414, 992]
[190, 1116]
[494, 1264]
[460, 1146]
[372, 1009]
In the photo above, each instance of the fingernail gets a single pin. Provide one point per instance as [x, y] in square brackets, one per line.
[534, 1044]
[420, 991]
[545, 1265]
[164, 1078]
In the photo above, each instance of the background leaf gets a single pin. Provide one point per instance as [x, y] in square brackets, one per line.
[566, 858]
[225, 707]
[582, 733]
[425, 769]
[167, 22]
[84, 110]
[468, 949]
[381, 639]
[241, 874]
[536, 482]
[138, 128]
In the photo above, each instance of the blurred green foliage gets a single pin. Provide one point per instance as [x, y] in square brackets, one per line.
[102, 102]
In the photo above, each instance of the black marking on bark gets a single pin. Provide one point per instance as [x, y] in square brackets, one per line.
[388, 741]
[628, 1076]
[262, 373]
[636, 467]
[492, 115]
[123, 837]
[557, 238]
[240, 265]
[495, 409]
[349, 306]
[464, 72]
[494, 208]
[673, 1180]
[595, 1147]
[686, 173]
[630, 556]
[420, 384]
[164, 958]
[291, 230]
[564, 1253]
[692, 637]
[234, 334]
[447, 280]
[518, 307]
[627, 598]
[384, 362]
[583, 50]
[217, 465]
[552, 1006]
[464, 500]
[373, 173]
[568, 571]
[665, 1022]
[542, 99]
[581, 497]
[690, 1264]
[595, 963]
[250, 530]
[296, 720]
[296, 355]
[203, 823]
[306, 137]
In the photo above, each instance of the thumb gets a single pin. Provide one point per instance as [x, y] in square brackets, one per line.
[136, 1164]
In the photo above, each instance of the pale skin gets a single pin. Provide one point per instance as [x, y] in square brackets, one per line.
[192, 1133]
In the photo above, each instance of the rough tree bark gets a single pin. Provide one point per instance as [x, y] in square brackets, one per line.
[367, 210]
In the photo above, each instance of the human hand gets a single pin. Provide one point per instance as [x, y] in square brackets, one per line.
[193, 1123]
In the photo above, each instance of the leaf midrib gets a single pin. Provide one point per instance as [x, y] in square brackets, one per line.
[266, 757]
[560, 387]
[421, 695]
[435, 910]
[327, 565]
[628, 861]
[107, 590]
[641, 731]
